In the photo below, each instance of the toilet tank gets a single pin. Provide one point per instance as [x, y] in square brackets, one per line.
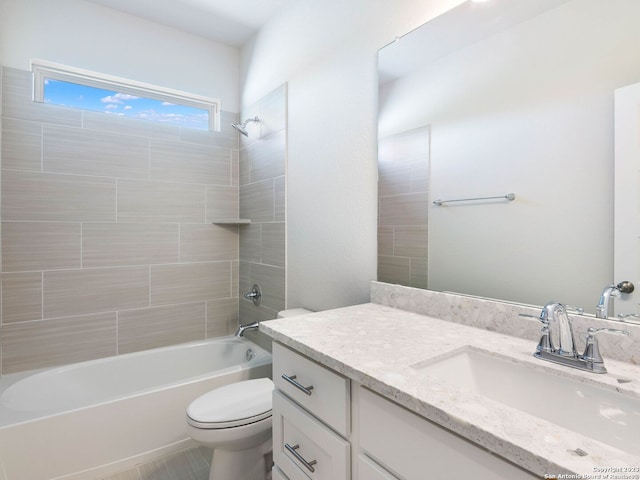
[292, 312]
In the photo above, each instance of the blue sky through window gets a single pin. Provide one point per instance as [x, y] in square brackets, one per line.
[69, 94]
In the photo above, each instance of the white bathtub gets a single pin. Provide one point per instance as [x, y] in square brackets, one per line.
[96, 418]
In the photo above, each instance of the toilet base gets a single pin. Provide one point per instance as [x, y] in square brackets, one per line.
[240, 464]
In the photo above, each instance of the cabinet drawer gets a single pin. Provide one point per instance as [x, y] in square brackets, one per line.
[369, 470]
[416, 448]
[304, 448]
[319, 390]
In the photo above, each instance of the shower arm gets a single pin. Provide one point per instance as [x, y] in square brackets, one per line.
[249, 120]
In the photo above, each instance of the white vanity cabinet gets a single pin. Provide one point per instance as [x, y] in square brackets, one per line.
[327, 427]
[311, 419]
[415, 448]
[369, 470]
[276, 474]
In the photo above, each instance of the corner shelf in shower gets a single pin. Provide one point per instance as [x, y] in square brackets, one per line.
[231, 221]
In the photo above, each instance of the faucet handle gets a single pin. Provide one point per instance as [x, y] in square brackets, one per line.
[629, 317]
[545, 344]
[537, 317]
[592, 350]
[625, 287]
[592, 332]
[574, 309]
[254, 295]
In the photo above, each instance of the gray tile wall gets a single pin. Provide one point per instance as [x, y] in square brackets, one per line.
[262, 199]
[106, 236]
[403, 183]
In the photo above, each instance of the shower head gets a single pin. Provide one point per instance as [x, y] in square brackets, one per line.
[242, 127]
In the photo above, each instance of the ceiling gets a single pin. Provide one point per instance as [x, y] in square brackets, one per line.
[231, 22]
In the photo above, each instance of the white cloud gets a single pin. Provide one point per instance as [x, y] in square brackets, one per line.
[118, 98]
[179, 119]
[110, 99]
[167, 104]
[126, 96]
[111, 106]
[128, 107]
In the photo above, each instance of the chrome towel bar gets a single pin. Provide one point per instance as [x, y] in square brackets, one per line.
[508, 196]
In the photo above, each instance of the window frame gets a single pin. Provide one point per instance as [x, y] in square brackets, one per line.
[43, 69]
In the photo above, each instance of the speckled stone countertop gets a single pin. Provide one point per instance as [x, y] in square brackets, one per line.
[377, 345]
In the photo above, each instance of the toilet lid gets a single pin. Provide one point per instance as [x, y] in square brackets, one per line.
[232, 405]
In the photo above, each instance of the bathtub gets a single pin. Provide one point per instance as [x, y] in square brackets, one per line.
[93, 419]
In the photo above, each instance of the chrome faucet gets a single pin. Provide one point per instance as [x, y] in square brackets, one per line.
[611, 291]
[245, 327]
[555, 310]
[566, 354]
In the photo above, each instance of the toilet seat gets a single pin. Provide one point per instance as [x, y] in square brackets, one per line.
[232, 405]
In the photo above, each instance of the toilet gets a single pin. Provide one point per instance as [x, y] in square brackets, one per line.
[293, 312]
[235, 420]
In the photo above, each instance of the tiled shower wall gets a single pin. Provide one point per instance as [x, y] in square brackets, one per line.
[403, 183]
[262, 199]
[107, 241]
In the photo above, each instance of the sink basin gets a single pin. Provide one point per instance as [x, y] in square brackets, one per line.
[602, 414]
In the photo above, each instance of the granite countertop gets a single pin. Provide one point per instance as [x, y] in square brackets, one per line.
[376, 346]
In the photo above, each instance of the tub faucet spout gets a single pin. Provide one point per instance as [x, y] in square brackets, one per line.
[245, 327]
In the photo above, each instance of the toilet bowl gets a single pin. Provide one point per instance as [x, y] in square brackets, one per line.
[234, 420]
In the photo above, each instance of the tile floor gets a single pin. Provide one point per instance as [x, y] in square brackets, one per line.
[191, 464]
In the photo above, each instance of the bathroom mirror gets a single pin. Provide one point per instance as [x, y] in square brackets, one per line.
[494, 98]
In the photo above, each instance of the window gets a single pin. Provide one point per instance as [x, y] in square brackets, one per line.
[72, 87]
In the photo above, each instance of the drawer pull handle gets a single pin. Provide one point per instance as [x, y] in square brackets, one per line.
[301, 459]
[292, 380]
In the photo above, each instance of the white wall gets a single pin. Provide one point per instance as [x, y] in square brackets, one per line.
[89, 36]
[326, 51]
